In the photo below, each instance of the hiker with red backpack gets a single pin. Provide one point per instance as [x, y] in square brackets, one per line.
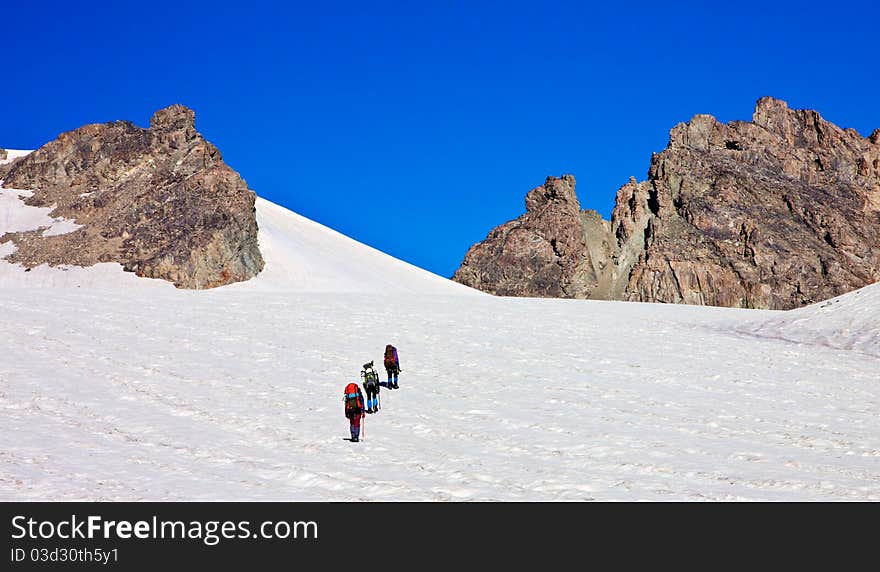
[354, 409]
[392, 366]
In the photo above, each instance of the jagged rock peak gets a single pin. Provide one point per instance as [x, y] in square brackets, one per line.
[801, 127]
[767, 109]
[695, 134]
[544, 252]
[175, 117]
[554, 190]
[160, 201]
[777, 212]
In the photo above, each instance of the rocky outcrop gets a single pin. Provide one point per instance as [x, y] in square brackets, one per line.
[774, 213]
[6, 162]
[159, 201]
[549, 251]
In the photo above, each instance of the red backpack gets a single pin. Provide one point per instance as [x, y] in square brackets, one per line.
[354, 400]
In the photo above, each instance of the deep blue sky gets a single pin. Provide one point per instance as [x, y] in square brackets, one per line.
[416, 127]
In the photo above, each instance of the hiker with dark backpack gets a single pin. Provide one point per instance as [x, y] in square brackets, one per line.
[392, 366]
[371, 386]
[354, 409]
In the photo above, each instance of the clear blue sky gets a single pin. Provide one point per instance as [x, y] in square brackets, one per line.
[416, 127]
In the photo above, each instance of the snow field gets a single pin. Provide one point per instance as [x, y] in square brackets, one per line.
[227, 395]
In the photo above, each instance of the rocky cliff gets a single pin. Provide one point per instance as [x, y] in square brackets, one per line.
[774, 213]
[554, 250]
[160, 201]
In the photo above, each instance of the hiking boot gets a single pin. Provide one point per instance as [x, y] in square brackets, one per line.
[355, 440]
[396, 386]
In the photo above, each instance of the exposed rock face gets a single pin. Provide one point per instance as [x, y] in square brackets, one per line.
[546, 252]
[6, 162]
[159, 201]
[774, 213]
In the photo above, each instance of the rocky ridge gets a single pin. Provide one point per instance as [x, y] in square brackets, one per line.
[159, 201]
[778, 212]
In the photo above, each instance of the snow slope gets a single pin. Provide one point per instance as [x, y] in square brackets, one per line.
[140, 391]
[301, 255]
[849, 322]
[304, 256]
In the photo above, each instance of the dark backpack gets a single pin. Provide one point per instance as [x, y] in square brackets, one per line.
[390, 357]
[354, 400]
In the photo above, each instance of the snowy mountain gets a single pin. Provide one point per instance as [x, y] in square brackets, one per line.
[302, 256]
[119, 387]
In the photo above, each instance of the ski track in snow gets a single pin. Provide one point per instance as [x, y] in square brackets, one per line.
[114, 387]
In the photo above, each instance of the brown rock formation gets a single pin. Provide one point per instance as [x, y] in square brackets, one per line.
[6, 163]
[159, 201]
[546, 252]
[774, 213]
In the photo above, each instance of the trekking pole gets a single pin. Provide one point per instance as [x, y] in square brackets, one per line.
[364, 426]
